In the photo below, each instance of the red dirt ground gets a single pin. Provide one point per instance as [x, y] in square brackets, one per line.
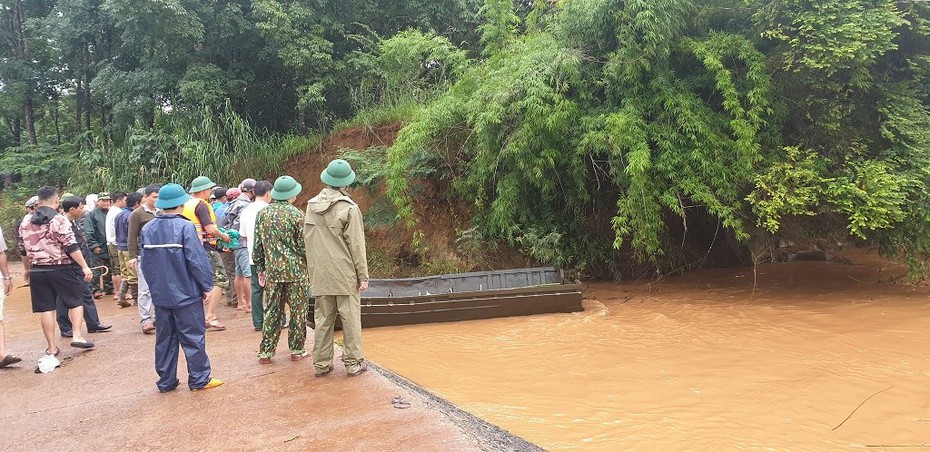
[105, 399]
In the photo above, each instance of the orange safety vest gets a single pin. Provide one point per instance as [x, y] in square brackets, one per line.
[190, 213]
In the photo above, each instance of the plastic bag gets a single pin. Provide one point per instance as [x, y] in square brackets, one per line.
[47, 363]
[233, 242]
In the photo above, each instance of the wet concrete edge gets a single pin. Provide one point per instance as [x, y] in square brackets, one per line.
[490, 436]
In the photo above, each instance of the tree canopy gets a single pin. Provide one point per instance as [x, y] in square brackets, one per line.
[592, 133]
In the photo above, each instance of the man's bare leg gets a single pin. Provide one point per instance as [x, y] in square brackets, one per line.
[213, 302]
[77, 323]
[243, 292]
[2, 341]
[47, 320]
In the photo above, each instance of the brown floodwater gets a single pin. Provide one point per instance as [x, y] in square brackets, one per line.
[703, 361]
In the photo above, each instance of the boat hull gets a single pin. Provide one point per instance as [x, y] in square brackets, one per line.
[466, 296]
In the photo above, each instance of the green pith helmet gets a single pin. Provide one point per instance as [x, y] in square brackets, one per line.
[338, 174]
[285, 188]
[201, 183]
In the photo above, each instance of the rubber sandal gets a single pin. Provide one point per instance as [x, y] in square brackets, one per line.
[84, 345]
[9, 360]
[214, 382]
[214, 325]
[57, 351]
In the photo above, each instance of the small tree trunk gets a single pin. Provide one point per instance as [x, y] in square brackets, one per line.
[57, 125]
[17, 127]
[78, 104]
[29, 113]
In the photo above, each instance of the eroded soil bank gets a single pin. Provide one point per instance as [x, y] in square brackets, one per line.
[704, 361]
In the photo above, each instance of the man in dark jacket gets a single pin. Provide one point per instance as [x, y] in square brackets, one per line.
[137, 220]
[95, 227]
[177, 269]
[73, 208]
[129, 281]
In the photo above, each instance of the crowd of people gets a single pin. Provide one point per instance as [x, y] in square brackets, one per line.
[162, 248]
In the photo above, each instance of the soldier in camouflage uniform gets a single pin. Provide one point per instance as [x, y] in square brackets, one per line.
[279, 256]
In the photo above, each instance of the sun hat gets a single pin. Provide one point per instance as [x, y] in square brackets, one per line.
[247, 185]
[32, 201]
[104, 196]
[201, 183]
[171, 196]
[338, 174]
[233, 193]
[285, 187]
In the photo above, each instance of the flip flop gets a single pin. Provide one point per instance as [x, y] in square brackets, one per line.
[84, 345]
[9, 360]
[57, 351]
[214, 325]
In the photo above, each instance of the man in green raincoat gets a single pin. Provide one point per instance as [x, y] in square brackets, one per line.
[338, 266]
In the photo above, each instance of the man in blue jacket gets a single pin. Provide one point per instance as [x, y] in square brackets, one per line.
[179, 275]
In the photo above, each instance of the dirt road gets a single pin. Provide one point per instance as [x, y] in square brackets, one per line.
[105, 399]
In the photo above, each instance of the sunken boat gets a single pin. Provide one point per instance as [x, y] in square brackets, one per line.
[467, 296]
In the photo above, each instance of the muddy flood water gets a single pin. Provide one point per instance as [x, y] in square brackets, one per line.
[696, 362]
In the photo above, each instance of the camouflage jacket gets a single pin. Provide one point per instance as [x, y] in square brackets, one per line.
[278, 245]
[47, 237]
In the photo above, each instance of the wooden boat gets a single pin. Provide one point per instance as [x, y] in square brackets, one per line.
[467, 296]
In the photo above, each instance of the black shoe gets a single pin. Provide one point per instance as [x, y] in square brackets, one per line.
[258, 329]
[67, 334]
[99, 329]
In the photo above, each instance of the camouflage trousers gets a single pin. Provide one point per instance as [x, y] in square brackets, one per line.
[297, 296]
[107, 287]
[219, 271]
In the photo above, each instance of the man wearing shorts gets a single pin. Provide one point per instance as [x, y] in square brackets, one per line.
[51, 249]
[233, 220]
[5, 360]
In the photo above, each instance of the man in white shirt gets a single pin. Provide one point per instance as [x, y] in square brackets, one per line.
[119, 203]
[262, 194]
